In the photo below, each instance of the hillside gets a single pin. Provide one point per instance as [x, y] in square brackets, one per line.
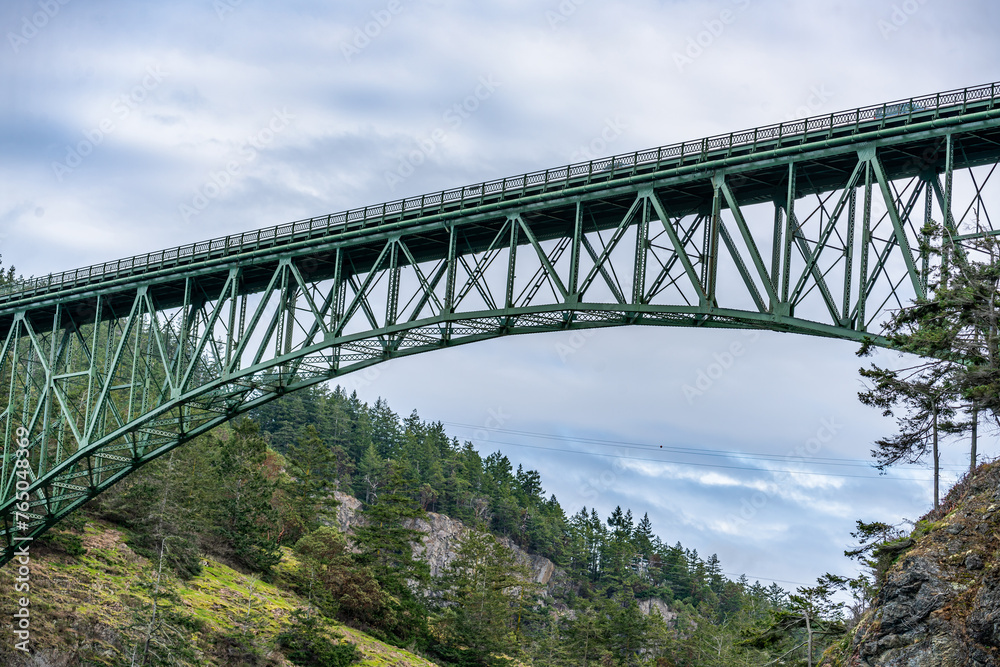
[95, 608]
[940, 603]
[324, 522]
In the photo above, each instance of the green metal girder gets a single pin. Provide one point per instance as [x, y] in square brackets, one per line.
[110, 372]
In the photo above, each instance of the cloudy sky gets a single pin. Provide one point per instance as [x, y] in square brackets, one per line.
[133, 126]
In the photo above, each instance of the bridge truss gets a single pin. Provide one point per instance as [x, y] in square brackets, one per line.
[819, 226]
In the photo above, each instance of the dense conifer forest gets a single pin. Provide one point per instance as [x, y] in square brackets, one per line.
[265, 483]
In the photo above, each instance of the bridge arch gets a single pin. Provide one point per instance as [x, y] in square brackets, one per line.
[812, 227]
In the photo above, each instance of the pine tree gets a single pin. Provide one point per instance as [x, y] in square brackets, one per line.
[927, 392]
[485, 589]
[312, 466]
[626, 629]
[644, 536]
[247, 520]
[8, 277]
[385, 543]
[371, 475]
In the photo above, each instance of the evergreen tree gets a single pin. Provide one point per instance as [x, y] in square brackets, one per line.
[247, 521]
[312, 465]
[484, 589]
[339, 586]
[371, 474]
[927, 392]
[644, 536]
[385, 543]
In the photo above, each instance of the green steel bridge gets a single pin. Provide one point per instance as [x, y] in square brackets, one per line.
[817, 226]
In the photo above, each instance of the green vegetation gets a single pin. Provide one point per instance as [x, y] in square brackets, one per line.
[955, 335]
[226, 551]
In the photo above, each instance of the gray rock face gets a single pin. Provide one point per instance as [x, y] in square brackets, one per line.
[443, 535]
[442, 538]
[655, 605]
[940, 605]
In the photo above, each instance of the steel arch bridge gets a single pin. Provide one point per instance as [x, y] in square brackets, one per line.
[817, 226]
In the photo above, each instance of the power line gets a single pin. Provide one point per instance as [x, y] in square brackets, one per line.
[705, 465]
[818, 460]
[683, 450]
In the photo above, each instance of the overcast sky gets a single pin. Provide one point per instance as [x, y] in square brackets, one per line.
[121, 120]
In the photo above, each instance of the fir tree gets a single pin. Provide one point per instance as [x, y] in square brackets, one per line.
[248, 522]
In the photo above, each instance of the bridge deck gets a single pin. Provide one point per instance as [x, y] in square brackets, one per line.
[909, 134]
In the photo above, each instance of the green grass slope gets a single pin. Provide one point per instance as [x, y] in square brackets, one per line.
[96, 609]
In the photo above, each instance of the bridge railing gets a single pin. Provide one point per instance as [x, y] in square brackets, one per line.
[745, 142]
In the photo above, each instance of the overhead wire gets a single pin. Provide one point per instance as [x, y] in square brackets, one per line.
[732, 454]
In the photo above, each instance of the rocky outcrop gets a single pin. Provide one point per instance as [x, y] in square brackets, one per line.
[442, 538]
[940, 604]
[658, 606]
[348, 508]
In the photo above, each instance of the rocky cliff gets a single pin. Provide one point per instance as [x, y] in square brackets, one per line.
[442, 536]
[940, 605]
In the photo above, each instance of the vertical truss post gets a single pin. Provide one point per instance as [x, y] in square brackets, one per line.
[849, 254]
[243, 323]
[392, 298]
[290, 306]
[338, 293]
[574, 265]
[449, 290]
[279, 316]
[776, 252]
[641, 246]
[134, 373]
[511, 262]
[186, 316]
[234, 275]
[866, 242]
[948, 246]
[28, 373]
[789, 235]
[925, 244]
[148, 372]
[48, 391]
[92, 365]
[712, 269]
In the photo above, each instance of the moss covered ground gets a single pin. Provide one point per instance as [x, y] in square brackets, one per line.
[93, 609]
